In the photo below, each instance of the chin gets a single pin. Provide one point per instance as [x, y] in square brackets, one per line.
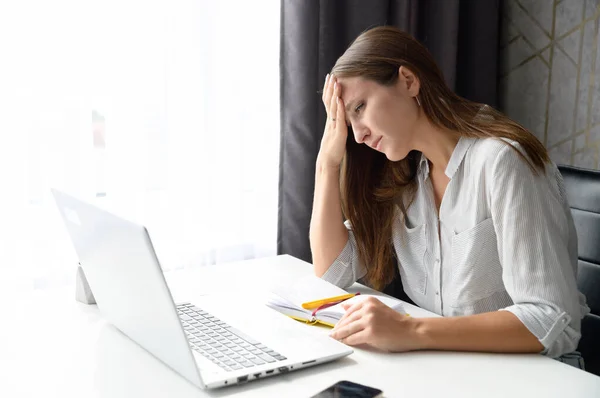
[397, 155]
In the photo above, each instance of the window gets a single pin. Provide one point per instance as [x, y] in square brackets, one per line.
[164, 112]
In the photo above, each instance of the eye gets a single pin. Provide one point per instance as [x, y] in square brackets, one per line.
[359, 108]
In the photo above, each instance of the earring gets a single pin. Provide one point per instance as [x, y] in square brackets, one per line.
[418, 102]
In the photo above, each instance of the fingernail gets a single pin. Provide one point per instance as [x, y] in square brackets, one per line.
[327, 77]
[338, 100]
[335, 86]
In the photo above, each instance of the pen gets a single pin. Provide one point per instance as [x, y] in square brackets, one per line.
[318, 303]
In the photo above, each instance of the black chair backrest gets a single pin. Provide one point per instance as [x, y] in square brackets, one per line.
[583, 192]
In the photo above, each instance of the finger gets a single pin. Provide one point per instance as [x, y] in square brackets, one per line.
[361, 337]
[341, 113]
[325, 87]
[348, 330]
[353, 312]
[356, 310]
[328, 92]
[348, 318]
[333, 102]
[352, 308]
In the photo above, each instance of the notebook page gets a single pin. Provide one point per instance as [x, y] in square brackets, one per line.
[337, 311]
[308, 288]
[279, 304]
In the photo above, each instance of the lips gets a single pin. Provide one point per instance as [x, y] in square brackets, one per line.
[376, 143]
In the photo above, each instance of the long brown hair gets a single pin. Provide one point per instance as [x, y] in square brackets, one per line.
[372, 187]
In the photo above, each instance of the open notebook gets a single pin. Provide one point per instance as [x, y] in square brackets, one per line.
[290, 301]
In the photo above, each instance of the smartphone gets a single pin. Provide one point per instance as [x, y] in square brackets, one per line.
[348, 389]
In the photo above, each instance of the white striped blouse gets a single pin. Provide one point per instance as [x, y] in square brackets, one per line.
[506, 241]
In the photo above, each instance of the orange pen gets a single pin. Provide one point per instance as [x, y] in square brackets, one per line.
[318, 303]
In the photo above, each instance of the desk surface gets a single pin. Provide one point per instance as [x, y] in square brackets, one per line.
[52, 346]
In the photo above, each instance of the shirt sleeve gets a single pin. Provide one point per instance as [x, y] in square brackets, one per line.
[537, 250]
[346, 269]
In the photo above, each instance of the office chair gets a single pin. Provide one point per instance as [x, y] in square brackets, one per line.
[583, 192]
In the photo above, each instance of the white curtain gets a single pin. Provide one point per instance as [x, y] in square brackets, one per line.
[163, 111]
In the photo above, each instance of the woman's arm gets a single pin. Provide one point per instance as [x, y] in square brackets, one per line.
[332, 243]
[328, 235]
[372, 322]
[537, 247]
[499, 331]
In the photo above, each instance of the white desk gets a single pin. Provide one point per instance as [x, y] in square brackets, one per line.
[52, 346]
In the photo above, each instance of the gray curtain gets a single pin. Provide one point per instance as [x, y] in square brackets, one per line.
[461, 34]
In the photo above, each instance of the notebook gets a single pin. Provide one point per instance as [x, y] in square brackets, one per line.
[314, 300]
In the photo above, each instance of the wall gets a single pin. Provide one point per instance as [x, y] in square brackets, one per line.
[550, 75]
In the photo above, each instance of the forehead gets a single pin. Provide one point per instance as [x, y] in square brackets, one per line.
[355, 86]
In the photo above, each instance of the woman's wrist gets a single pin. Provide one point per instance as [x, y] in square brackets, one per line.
[421, 335]
[325, 166]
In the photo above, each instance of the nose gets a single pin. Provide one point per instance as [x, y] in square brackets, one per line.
[360, 133]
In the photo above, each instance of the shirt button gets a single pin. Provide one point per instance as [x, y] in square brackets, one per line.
[437, 293]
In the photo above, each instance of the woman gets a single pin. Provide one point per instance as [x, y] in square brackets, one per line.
[467, 201]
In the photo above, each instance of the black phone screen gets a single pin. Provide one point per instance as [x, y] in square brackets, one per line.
[348, 389]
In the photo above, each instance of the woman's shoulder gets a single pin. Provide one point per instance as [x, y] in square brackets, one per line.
[491, 148]
[505, 161]
[492, 153]
[482, 155]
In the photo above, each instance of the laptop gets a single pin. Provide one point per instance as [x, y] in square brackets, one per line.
[211, 342]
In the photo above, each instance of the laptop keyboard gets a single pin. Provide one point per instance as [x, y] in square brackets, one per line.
[222, 344]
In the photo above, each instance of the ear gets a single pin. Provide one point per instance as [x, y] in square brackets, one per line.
[409, 81]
